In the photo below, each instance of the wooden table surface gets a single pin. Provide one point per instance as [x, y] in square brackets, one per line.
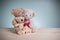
[40, 34]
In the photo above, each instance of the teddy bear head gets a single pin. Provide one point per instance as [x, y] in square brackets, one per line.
[28, 13]
[19, 19]
[18, 12]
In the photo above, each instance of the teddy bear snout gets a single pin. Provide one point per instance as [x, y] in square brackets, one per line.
[21, 19]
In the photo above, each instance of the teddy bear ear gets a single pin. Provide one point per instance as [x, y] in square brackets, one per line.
[33, 14]
[21, 9]
[12, 11]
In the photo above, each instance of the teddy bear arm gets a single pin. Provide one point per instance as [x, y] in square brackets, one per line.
[14, 22]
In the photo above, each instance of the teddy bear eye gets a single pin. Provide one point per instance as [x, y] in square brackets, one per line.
[30, 15]
[26, 15]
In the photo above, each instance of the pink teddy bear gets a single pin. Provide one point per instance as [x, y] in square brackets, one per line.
[29, 14]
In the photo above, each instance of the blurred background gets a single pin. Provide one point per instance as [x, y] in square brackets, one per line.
[47, 12]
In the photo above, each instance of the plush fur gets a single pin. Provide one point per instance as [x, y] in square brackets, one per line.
[20, 21]
[27, 30]
[18, 28]
[29, 14]
[18, 12]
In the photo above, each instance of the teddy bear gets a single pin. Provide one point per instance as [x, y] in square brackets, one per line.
[29, 14]
[22, 21]
[17, 12]
[19, 27]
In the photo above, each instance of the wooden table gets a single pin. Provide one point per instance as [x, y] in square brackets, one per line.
[40, 34]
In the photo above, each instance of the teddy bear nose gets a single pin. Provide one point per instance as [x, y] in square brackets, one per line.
[21, 19]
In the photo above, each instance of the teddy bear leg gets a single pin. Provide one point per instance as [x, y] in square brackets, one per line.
[20, 33]
[23, 32]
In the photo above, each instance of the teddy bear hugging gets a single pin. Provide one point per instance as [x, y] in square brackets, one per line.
[21, 21]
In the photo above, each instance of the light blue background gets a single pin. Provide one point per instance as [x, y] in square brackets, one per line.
[47, 12]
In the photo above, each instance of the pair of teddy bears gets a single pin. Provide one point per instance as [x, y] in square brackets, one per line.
[22, 22]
